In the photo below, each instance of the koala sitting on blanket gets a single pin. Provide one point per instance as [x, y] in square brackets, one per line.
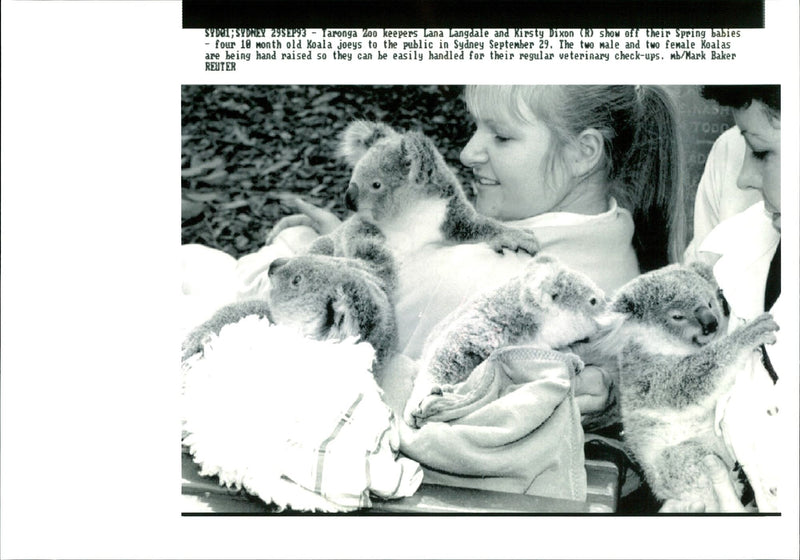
[321, 296]
[675, 362]
[550, 307]
[402, 184]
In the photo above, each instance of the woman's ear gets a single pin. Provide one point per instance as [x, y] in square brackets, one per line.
[587, 152]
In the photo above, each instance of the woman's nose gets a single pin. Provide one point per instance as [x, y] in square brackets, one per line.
[473, 153]
[749, 174]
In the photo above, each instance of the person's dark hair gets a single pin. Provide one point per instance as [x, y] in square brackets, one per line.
[740, 97]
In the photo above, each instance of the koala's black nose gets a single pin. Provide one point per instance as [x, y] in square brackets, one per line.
[708, 321]
[351, 197]
[276, 264]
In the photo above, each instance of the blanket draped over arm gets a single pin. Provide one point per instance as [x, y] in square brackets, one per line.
[512, 425]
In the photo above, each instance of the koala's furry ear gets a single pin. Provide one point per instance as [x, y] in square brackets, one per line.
[703, 270]
[359, 137]
[420, 156]
[538, 280]
[625, 304]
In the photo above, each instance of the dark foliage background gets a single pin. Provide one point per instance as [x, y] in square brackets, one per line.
[246, 149]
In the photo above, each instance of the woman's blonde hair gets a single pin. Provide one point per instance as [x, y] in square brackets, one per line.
[643, 160]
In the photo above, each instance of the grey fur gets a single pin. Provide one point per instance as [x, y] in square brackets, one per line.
[392, 172]
[324, 297]
[673, 368]
[361, 240]
[550, 306]
[228, 314]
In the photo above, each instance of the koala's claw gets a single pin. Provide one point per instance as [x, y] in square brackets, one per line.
[516, 240]
[193, 344]
[760, 330]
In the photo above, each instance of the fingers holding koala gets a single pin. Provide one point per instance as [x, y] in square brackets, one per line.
[319, 219]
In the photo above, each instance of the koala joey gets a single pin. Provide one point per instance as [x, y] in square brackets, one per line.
[549, 306]
[402, 183]
[675, 361]
[321, 296]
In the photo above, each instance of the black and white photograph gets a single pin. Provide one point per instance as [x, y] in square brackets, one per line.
[407, 280]
[486, 242]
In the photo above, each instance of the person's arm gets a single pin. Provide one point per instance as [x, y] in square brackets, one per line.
[321, 220]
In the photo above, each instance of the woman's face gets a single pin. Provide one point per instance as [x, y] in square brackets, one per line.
[761, 169]
[511, 164]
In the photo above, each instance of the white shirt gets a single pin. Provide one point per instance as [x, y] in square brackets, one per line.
[718, 198]
[750, 422]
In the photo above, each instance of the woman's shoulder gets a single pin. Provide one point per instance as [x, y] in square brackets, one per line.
[599, 245]
[748, 229]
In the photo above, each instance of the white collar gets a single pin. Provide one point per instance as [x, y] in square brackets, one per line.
[750, 234]
[567, 218]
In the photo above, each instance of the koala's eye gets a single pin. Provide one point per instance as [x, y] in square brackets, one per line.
[296, 280]
[554, 295]
[593, 301]
[678, 317]
[376, 185]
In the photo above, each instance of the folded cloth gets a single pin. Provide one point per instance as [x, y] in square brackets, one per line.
[294, 421]
[512, 425]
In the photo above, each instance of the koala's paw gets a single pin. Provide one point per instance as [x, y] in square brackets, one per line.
[286, 223]
[574, 362]
[322, 246]
[424, 388]
[193, 343]
[515, 240]
[760, 330]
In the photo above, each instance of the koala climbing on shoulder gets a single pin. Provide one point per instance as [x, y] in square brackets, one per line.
[402, 183]
[549, 306]
[322, 297]
[675, 362]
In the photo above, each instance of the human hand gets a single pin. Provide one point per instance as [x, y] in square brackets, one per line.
[592, 386]
[724, 490]
[321, 220]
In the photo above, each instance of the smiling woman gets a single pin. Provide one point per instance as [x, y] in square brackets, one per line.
[594, 171]
[540, 149]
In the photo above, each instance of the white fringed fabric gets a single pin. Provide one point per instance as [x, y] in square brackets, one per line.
[297, 422]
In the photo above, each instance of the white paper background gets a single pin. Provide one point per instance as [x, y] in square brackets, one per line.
[90, 230]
